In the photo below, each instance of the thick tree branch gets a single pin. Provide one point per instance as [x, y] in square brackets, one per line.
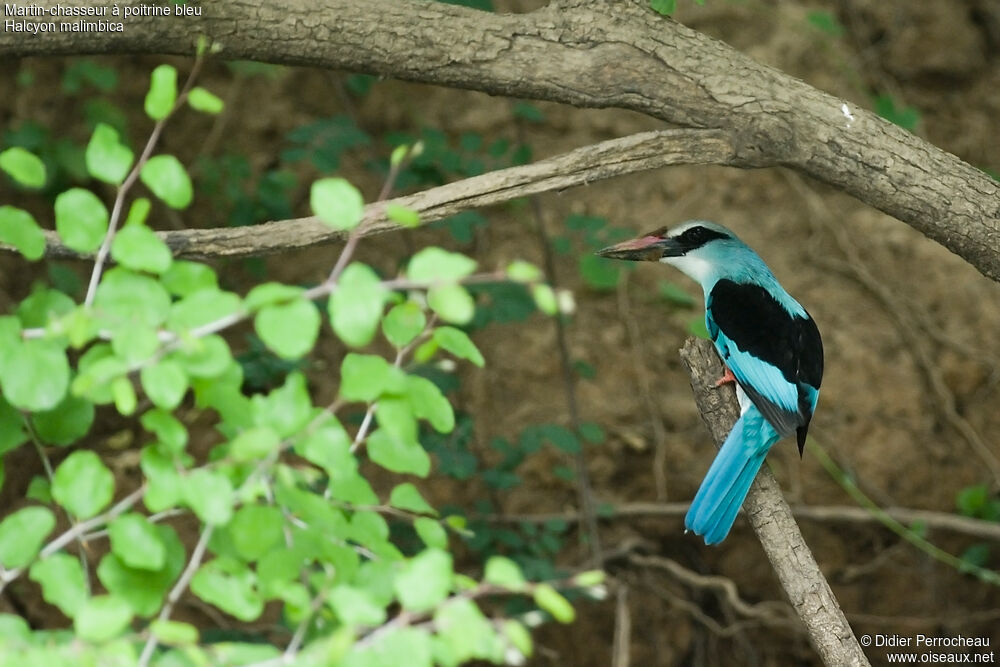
[772, 521]
[638, 152]
[594, 53]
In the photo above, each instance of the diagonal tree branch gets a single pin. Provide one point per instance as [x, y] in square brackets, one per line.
[594, 53]
[772, 521]
[616, 157]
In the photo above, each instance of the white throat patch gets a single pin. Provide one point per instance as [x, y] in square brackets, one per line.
[691, 266]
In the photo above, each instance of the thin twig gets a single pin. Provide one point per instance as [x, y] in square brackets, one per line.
[47, 465]
[639, 369]
[989, 530]
[769, 611]
[621, 649]
[585, 493]
[75, 532]
[147, 151]
[177, 591]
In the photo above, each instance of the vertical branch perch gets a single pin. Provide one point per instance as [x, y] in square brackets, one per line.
[772, 521]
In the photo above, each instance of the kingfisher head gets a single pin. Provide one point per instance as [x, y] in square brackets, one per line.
[698, 248]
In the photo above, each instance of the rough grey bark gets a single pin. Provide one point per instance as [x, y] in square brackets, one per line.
[595, 53]
[772, 521]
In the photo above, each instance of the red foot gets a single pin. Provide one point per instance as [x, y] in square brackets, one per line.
[728, 377]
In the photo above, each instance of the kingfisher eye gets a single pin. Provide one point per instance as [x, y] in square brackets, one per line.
[696, 235]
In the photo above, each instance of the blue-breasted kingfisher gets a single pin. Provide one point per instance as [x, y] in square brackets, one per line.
[769, 344]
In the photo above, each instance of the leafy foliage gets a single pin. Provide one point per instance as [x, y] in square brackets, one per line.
[364, 575]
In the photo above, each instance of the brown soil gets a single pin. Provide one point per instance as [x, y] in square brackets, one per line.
[892, 367]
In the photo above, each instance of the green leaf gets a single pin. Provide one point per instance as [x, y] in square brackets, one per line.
[83, 484]
[23, 166]
[170, 432]
[81, 219]
[397, 646]
[12, 432]
[289, 330]
[162, 92]
[356, 305]
[425, 582]
[206, 357]
[524, 272]
[502, 571]
[202, 307]
[545, 299]
[431, 532]
[598, 272]
[528, 112]
[328, 446]
[126, 298]
[435, 265]
[255, 530]
[164, 483]
[135, 344]
[166, 178]
[165, 383]
[592, 433]
[43, 306]
[254, 443]
[826, 22]
[589, 578]
[184, 278]
[287, 409]
[138, 212]
[665, 7]
[66, 423]
[452, 302]
[123, 394]
[363, 377]
[403, 323]
[14, 628]
[356, 606]
[519, 637]
[427, 402]
[107, 158]
[698, 328]
[174, 633]
[268, 294]
[466, 633]
[402, 216]
[40, 490]
[144, 590]
[971, 499]
[138, 248]
[102, 617]
[553, 602]
[209, 494]
[906, 117]
[62, 581]
[458, 343]
[405, 496]
[205, 101]
[34, 374]
[18, 228]
[230, 586]
[22, 534]
[337, 203]
[398, 455]
[137, 542]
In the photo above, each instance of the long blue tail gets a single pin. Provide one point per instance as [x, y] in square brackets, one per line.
[721, 494]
